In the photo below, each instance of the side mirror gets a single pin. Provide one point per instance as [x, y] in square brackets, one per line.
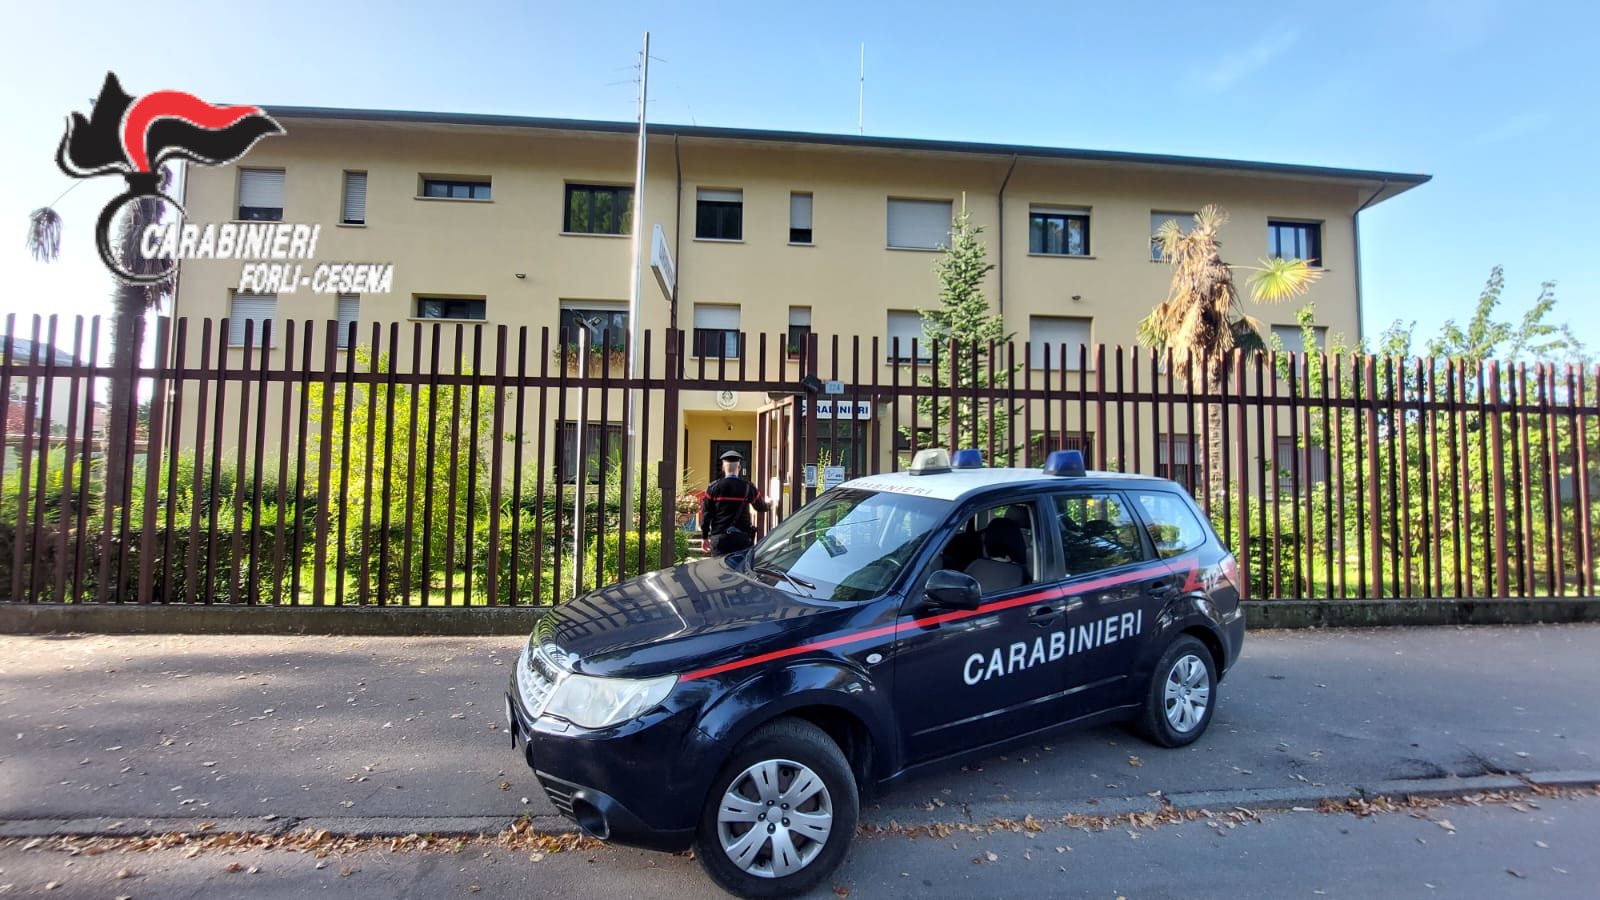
[953, 589]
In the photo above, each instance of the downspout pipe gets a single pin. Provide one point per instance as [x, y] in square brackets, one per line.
[1000, 254]
[1355, 227]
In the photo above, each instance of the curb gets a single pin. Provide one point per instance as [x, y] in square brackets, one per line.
[479, 621]
[1470, 611]
[1266, 799]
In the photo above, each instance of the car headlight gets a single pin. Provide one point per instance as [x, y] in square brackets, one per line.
[592, 702]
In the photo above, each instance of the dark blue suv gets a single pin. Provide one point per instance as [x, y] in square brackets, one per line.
[740, 705]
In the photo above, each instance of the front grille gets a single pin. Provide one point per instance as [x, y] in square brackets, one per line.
[537, 674]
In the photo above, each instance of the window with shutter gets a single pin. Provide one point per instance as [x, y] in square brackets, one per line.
[257, 308]
[349, 311]
[261, 195]
[800, 218]
[919, 224]
[1049, 335]
[355, 199]
[719, 215]
[907, 326]
[716, 330]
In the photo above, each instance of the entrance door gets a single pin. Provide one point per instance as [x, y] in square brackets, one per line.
[720, 447]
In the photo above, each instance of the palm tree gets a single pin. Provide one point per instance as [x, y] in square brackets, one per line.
[129, 304]
[1201, 320]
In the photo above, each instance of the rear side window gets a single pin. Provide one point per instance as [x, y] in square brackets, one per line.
[1097, 532]
[1172, 524]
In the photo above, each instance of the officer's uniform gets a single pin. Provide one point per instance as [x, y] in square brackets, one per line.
[724, 511]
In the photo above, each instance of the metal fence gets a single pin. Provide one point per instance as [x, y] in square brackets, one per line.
[441, 463]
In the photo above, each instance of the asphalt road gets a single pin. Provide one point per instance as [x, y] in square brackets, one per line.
[109, 733]
[1541, 848]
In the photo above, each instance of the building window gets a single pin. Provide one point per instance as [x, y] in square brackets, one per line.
[799, 330]
[594, 433]
[1048, 335]
[257, 308]
[1058, 232]
[1041, 445]
[716, 330]
[906, 326]
[1291, 340]
[1289, 466]
[800, 218]
[349, 310]
[919, 224]
[355, 199]
[606, 323]
[1295, 240]
[1177, 459]
[461, 308]
[598, 209]
[261, 195]
[456, 188]
[719, 215]
[1185, 222]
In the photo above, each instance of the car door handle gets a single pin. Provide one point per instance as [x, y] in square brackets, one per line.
[1162, 590]
[1043, 614]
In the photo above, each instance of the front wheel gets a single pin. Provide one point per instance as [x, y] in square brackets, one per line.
[781, 814]
[1182, 694]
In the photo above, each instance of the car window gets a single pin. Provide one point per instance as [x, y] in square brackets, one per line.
[1172, 524]
[1097, 532]
[850, 544]
[995, 546]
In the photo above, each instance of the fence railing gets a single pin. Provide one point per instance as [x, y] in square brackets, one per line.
[441, 463]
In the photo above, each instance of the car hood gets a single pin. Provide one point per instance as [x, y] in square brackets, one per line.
[679, 619]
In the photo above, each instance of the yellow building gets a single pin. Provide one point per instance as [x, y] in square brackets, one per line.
[524, 222]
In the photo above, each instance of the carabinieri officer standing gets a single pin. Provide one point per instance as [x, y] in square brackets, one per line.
[724, 515]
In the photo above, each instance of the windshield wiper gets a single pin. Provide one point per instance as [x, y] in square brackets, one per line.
[805, 587]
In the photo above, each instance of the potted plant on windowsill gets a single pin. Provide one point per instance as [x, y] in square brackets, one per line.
[613, 358]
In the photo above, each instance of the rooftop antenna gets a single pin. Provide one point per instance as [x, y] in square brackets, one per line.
[861, 98]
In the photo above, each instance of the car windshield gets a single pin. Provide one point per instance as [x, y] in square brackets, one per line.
[849, 544]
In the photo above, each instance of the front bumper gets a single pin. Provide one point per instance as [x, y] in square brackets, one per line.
[641, 783]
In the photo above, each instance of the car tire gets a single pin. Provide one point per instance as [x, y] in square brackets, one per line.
[1182, 694]
[784, 761]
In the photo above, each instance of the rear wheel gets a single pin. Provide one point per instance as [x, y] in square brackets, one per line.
[781, 814]
[1182, 694]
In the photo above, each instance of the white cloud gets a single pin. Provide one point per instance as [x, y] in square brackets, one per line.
[1236, 65]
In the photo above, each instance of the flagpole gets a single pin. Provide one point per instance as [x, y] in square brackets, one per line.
[631, 444]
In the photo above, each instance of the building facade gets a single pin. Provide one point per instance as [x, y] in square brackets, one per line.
[526, 222]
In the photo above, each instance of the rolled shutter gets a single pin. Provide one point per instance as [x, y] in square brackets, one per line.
[355, 198]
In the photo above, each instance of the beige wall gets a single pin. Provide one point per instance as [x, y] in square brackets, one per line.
[848, 278]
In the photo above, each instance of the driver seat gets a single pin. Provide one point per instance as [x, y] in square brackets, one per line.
[1000, 568]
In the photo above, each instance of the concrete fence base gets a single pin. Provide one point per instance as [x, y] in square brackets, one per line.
[52, 618]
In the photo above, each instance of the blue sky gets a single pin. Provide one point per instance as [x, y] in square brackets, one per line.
[1494, 99]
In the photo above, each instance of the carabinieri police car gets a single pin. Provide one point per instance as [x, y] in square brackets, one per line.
[741, 705]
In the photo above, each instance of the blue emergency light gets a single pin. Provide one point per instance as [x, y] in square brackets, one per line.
[1064, 462]
[967, 458]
